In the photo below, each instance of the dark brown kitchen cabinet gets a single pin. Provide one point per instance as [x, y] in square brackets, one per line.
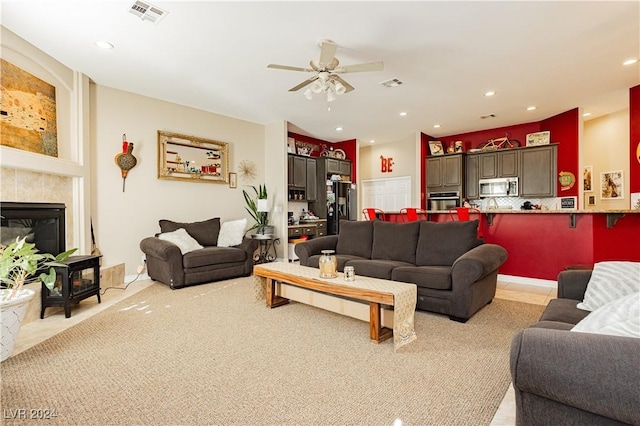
[302, 178]
[312, 179]
[444, 171]
[299, 172]
[340, 167]
[538, 171]
[499, 164]
[472, 168]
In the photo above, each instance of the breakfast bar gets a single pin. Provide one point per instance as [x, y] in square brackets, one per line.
[541, 243]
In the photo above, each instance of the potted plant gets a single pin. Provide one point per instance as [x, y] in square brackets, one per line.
[20, 261]
[259, 211]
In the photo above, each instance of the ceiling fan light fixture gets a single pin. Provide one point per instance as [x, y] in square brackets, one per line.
[316, 87]
[339, 87]
[331, 96]
[308, 94]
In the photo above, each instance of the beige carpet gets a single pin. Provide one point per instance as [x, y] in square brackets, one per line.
[212, 355]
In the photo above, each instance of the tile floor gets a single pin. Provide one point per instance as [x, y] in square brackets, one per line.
[37, 331]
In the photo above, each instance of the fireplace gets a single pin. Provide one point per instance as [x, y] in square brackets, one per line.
[42, 224]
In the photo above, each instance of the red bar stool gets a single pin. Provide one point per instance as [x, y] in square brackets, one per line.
[464, 214]
[411, 214]
[373, 214]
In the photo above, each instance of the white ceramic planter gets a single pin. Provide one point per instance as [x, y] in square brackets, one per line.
[11, 315]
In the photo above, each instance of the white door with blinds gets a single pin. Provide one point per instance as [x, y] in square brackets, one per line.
[389, 195]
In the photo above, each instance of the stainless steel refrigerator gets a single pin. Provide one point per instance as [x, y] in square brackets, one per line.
[342, 204]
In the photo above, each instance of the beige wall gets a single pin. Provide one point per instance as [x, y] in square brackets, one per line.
[123, 219]
[406, 162]
[605, 147]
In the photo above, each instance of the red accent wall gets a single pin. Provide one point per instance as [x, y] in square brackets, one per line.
[349, 148]
[472, 139]
[424, 150]
[564, 131]
[634, 135]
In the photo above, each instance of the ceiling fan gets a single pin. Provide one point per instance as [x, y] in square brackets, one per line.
[326, 71]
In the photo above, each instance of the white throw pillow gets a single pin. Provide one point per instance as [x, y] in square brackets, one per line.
[610, 281]
[182, 239]
[618, 318]
[231, 233]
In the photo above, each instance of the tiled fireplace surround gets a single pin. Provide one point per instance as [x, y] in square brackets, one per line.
[29, 186]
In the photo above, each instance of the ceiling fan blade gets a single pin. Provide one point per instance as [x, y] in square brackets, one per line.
[288, 68]
[327, 52]
[304, 83]
[369, 66]
[344, 83]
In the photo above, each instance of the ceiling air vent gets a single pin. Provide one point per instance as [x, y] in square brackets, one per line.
[488, 116]
[394, 82]
[147, 11]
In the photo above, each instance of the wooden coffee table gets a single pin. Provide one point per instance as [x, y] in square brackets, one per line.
[374, 291]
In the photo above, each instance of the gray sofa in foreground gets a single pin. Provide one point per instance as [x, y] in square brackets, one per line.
[167, 264]
[569, 378]
[456, 273]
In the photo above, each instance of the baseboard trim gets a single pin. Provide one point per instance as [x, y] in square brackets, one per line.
[536, 282]
[131, 278]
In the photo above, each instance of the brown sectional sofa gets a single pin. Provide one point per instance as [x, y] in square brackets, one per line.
[166, 263]
[456, 273]
[568, 378]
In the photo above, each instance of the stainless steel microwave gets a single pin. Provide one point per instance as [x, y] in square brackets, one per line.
[500, 187]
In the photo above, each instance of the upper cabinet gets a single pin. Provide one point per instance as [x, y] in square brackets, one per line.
[444, 172]
[538, 171]
[535, 168]
[339, 167]
[302, 179]
[499, 164]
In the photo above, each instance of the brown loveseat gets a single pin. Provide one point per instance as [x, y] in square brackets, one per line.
[568, 378]
[167, 264]
[456, 273]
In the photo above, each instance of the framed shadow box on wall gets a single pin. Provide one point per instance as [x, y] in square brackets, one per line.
[182, 157]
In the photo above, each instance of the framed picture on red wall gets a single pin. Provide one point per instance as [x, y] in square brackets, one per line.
[538, 138]
[436, 148]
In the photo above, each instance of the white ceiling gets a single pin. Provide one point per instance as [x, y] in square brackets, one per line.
[213, 55]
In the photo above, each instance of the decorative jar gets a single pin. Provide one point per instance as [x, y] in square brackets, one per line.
[328, 264]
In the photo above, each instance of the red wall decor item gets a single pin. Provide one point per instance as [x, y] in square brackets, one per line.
[125, 160]
[567, 180]
[386, 164]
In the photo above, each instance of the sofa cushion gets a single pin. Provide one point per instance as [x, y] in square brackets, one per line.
[395, 241]
[441, 243]
[205, 232]
[185, 242]
[553, 325]
[618, 318]
[563, 310]
[610, 281]
[355, 238]
[434, 277]
[213, 255]
[375, 268]
[232, 232]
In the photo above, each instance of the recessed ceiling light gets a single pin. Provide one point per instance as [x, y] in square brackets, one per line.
[630, 61]
[104, 45]
[372, 141]
[338, 129]
[436, 126]
[531, 108]
[403, 113]
[586, 114]
[490, 93]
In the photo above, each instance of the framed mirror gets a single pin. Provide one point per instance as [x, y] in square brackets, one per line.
[182, 157]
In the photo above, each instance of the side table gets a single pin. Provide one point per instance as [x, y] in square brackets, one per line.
[79, 280]
[266, 250]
